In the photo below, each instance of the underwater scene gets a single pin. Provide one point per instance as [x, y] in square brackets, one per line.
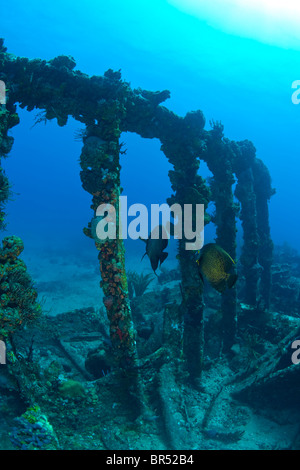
[149, 236]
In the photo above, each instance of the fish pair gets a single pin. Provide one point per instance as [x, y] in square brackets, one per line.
[214, 263]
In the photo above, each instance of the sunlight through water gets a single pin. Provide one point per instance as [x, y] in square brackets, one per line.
[273, 22]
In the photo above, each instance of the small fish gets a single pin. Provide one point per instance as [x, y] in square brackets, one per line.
[216, 265]
[155, 245]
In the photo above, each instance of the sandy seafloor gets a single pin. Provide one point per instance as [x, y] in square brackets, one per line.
[68, 280]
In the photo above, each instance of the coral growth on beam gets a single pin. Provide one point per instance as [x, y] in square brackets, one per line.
[18, 304]
[108, 106]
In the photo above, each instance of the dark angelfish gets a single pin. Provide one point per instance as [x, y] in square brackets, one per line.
[217, 266]
[155, 245]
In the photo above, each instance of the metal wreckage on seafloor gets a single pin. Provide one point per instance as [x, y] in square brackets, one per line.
[108, 106]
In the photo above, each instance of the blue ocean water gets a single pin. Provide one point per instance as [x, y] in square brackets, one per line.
[232, 74]
[240, 81]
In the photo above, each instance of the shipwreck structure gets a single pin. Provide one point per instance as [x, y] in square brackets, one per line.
[108, 106]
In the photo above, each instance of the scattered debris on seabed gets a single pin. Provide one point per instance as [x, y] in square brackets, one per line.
[61, 390]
